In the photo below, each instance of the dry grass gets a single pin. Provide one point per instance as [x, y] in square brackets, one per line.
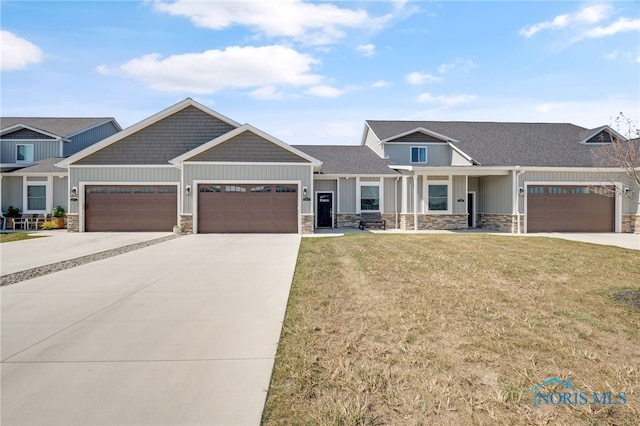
[454, 329]
[7, 237]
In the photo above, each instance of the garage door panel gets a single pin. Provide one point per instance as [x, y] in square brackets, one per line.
[567, 208]
[243, 208]
[130, 208]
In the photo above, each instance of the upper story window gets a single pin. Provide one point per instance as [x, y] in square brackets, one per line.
[24, 153]
[418, 154]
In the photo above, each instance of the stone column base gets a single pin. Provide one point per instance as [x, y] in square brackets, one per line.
[186, 224]
[73, 222]
[308, 223]
[630, 223]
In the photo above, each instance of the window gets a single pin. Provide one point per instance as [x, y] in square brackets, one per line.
[145, 190]
[581, 190]
[97, 190]
[285, 189]
[418, 154]
[556, 190]
[24, 153]
[171, 190]
[369, 197]
[535, 190]
[210, 188]
[234, 189]
[438, 197]
[120, 190]
[262, 188]
[36, 197]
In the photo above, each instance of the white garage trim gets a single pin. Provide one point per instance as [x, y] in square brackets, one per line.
[618, 201]
[195, 194]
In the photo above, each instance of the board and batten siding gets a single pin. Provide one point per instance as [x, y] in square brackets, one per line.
[87, 175]
[321, 185]
[61, 192]
[437, 154]
[459, 188]
[495, 195]
[390, 198]
[240, 173]
[629, 205]
[347, 194]
[41, 150]
[11, 192]
[89, 137]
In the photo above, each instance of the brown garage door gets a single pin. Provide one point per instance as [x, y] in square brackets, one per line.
[563, 208]
[267, 208]
[130, 208]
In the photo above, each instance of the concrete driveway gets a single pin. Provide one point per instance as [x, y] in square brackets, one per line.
[629, 241]
[180, 333]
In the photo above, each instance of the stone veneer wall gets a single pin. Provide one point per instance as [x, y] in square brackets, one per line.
[501, 222]
[308, 223]
[352, 220]
[434, 221]
[631, 223]
[73, 222]
[186, 224]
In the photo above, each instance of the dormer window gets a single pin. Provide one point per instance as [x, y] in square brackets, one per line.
[418, 154]
[24, 153]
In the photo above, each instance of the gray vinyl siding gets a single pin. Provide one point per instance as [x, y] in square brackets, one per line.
[11, 192]
[473, 184]
[372, 142]
[437, 154]
[239, 173]
[89, 137]
[495, 195]
[120, 174]
[41, 150]
[390, 189]
[629, 205]
[60, 192]
[325, 185]
[347, 194]
[459, 188]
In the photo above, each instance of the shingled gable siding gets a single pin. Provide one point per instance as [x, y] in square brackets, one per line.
[26, 134]
[162, 141]
[248, 147]
[417, 137]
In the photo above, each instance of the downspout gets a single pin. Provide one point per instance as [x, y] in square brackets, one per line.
[516, 203]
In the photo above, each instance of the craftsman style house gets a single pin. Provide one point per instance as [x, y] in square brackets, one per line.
[193, 167]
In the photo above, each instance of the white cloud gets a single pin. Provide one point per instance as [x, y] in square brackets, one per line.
[417, 78]
[214, 70]
[621, 25]
[367, 49]
[381, 83]
[324, 91]
[464, 65]
[267, 93]
[587, 15]
[16, 52]
[448, 100]
[313, 23]
[344, 129]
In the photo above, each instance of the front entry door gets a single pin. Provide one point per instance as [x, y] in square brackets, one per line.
[325, 209]
[470, 209]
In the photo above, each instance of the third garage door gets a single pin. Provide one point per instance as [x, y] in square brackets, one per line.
[242, 208]
[568, 208]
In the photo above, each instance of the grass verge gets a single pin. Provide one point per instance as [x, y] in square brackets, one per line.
[455, 329]
[7, 237]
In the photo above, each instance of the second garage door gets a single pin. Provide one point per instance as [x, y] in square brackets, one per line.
[131, 208]
[242, 208]
[567, 208]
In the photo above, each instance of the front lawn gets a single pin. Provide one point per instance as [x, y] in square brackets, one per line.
[7, 237]
[456, 329]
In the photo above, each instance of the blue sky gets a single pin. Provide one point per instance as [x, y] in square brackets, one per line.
[312, 72]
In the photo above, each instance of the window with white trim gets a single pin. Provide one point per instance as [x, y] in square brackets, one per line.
[36, 197]
[24, 153]
[369, 195]
[418, 154]
[438, 196]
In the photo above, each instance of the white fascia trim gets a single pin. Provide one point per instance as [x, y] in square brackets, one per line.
[33, 129]
[618, 197]
[118, 166]
[141, 125]
[423, 131]
[194, 192]
[61, 174]
[337, 176]
[83, 184]
[229, 135]
[571, 169]
[237, 163]
[111, 120]
[598, 130]
[57, 139]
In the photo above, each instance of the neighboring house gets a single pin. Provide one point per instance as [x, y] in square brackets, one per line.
[191, 166]
[30, 148]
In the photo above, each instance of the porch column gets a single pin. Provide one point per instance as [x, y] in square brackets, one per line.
[404, 208]
[415, 202]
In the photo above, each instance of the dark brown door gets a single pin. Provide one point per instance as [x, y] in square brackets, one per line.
[564, 208]
[130, 208]
[241, 208]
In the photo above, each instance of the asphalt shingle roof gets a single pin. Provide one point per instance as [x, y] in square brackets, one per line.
[58, 126]
[507, 144]
[350, 160]
[43, 166]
